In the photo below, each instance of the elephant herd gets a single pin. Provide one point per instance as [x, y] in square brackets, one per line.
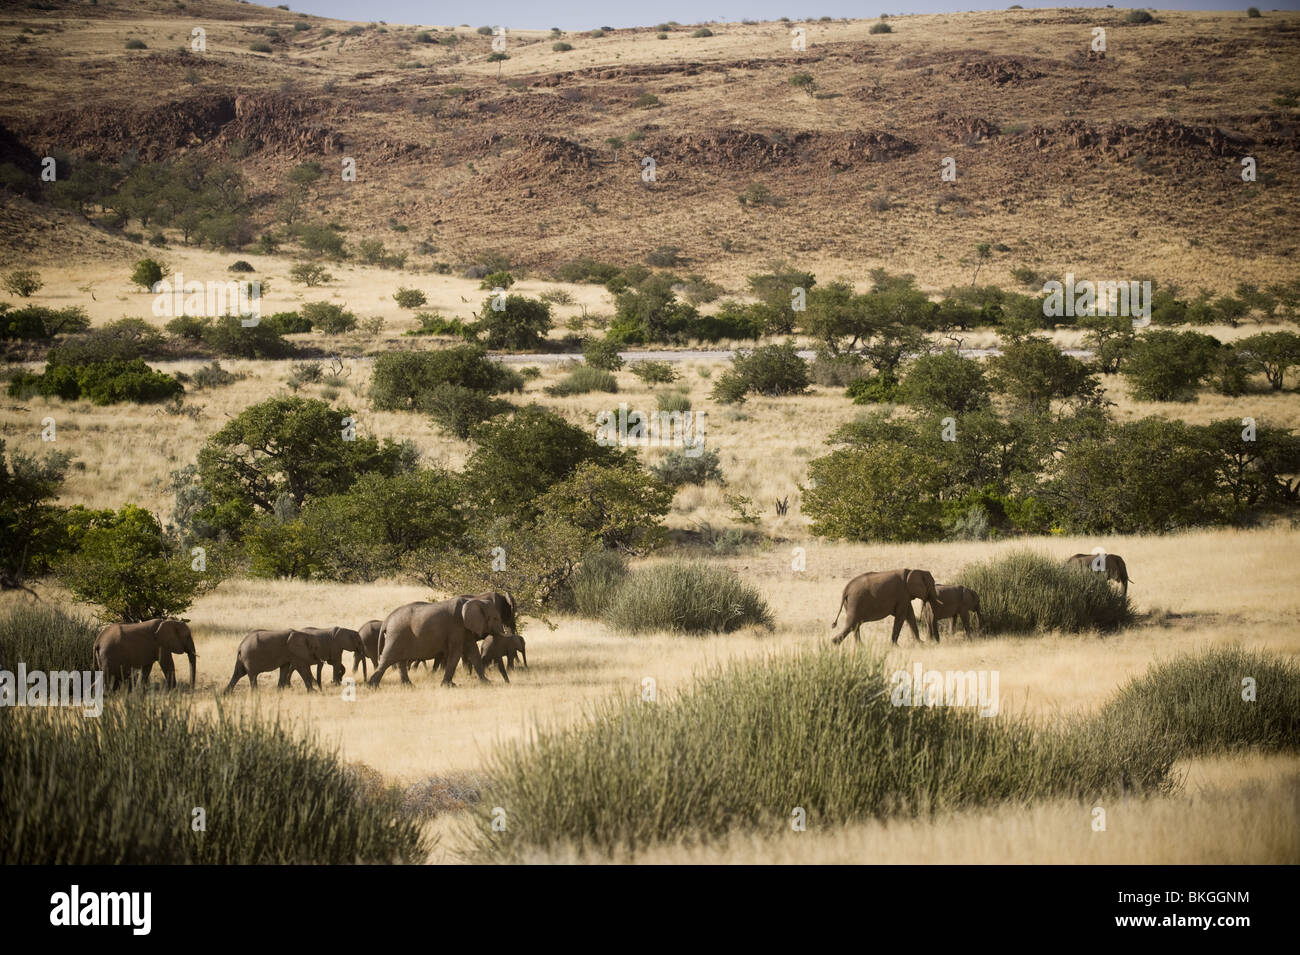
[442, 633]
[439, 634]
[880, 594]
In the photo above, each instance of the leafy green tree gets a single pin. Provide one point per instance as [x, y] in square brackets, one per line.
[602, 353]
[402, 380]
[1033, 371]
[1273, 353]
[522, 324]
[228, 336]
[32, 322]
[329, 317]
[1254, 466]
[296, 447]
[620, 506]
[771, 370]
[1170, 366]
[30, 520]
[148, 273]
[457, 409]
[945, 382]
[126, 563]
[23, 282]
[1110, 337]
[650, 313]
[888, 493]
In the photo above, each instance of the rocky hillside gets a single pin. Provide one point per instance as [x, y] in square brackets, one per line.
[1118, 164]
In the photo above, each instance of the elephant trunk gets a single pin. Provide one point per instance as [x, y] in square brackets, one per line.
[523, 653]
[359, 655]
[193, 666]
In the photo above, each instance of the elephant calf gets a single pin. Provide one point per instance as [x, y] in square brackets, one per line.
[369, 634]
[953, 602]
[1112, 564]
[874, 596]
[264, 650]
[334, 642]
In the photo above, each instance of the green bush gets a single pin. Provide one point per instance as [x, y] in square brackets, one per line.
[676, 468]
[880, 28]
[431, 324]
[457, 409]
[103, 383]
[148, 273]
[212, 375]
[655, 372]
[742, 746]
[1139, 16]
[409, 298]
[229, 337]
[873, 389]
[1170, 366]
[260, 47]
[561, 47]
[581, 380]
[522, 324]
[321, 239]
[836, 370]
[310, 274]
[499, 279]
[1033, 371]
[602, 353]
[678, 401]
[885, 492]
[46, 639]
[702, 32]
[1195, 702]
[33, 322]
[288, 323]
[23, 282]
[134, 44]
[270, 796]
[617, 504]
[328, 317]
[686, 597]
[123, 340]
[944, 382]
[1025, 592]
[402, 379]
[772, 370]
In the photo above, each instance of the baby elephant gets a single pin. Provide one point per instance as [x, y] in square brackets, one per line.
[334, 642]
[369, 634]
[264, 650]
[953, 602]
[1112, 564]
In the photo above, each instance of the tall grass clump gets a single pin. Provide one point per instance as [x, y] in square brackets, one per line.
[583, 379]
[688, 597]
[1026, 592]
[1196, 701]
[746, 744]
[595, 582]
[122, 789]
[46, 639]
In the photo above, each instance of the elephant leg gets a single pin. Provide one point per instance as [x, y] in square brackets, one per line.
[168, 669]
[450, 663]
[286, 674]
[965, 623]
[898, 625]
[239, 672]
[379, 673]
[404, 669]
[319, 667]
[474, 659]
[339, 671]
[304, 671]
[910, 618]
[145, 671]
[841, 634]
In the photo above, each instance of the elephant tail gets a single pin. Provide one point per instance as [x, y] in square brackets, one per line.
[844, 600]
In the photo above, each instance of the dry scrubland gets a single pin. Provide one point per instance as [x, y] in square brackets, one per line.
[1148, 203]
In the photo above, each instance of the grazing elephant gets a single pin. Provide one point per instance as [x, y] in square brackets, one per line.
[335, 641]
[1113, 564]
[369, 634]
[874, 596]
[264, 650]
[450, 628]
[122, 647]
[953, 602]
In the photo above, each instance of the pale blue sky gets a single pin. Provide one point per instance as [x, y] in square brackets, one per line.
[586, 14]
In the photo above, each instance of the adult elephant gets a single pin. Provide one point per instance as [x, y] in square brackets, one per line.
[879, 594]
[264, 650]
[953, 602]
[369, 634]
[334, 642]
[122, 647]
[1112, 565]
[448, 629]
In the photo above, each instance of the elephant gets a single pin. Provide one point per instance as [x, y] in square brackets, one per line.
[335, 641]
[953, 602]
[122, 647]
[369, 634]
[451, 628]
[494, 651]
[1114, 565]
[874, 596]
[264, 650]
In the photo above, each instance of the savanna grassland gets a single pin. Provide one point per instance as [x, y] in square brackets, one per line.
[1122, 166]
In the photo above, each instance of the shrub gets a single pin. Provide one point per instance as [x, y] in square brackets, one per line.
[873, 389]
[615, 504]
[431, 324]
[673, 401]
[321, 239]
[686, 597]
[37, 322]
[583, 379]
[1195, 702]
[1253, 12]
[1272, 353]
[702, 32]
[212, 375]
[125, 563]
[46, 638]
[594, 584]
[328, 317]
[1169, 366]
[148, 273]
[836, 369]
[888, 492]
[123, 340]
[677, 468]
[484, 31]
[561, 47]
[823, 731]
[134, 44]
[310, 274]
[401, 379]
[409, 298]
[103, 382]
[771, 370]
[1025, 592]
[498, 279]
[522, 324]
[260, 47]
[1139, 16]
[1033, 371]
[59, 773]
[239, 265]
[602, 353]
[229, 337]
[23, 282]
[646, 101]
[288, 323]
[655, 372]
[881, 28]
[945, 382]
[457, 409]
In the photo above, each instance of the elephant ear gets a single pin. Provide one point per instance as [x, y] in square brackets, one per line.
[474, 615]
